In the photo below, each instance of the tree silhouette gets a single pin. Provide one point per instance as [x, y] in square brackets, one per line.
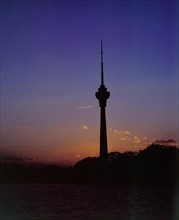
[157, 164]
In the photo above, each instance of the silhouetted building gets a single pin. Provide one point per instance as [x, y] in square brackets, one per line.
[102, 95]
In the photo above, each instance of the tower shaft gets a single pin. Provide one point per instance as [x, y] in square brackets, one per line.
[103, 135]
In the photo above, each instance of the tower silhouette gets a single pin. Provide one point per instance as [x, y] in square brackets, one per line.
[102, 95]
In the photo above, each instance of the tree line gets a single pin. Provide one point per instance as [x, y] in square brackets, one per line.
[157, 164]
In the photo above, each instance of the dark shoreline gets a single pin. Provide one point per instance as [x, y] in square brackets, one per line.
[157, 164]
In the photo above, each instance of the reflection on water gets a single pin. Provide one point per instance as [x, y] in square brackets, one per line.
[38, 201]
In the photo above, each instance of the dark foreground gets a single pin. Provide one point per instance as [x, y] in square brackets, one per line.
[129, 186]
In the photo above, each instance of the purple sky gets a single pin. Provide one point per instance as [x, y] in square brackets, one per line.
[50, 71]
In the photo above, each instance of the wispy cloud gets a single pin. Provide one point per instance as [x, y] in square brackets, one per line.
[85, 107]
[126, 136]
[129, 138]
[15, 159]
[168, 141]
[137, 140]
[120, 132]
[85, 127]
[127, 132]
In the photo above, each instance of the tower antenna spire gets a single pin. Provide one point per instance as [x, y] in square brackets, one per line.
[102, 73]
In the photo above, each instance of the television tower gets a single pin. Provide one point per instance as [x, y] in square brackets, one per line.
[102, 95]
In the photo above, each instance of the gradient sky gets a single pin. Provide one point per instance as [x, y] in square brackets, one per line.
[50, 71]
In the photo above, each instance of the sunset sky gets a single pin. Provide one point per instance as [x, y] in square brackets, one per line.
[50, 71]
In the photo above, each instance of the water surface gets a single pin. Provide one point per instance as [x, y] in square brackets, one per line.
[57, 201]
